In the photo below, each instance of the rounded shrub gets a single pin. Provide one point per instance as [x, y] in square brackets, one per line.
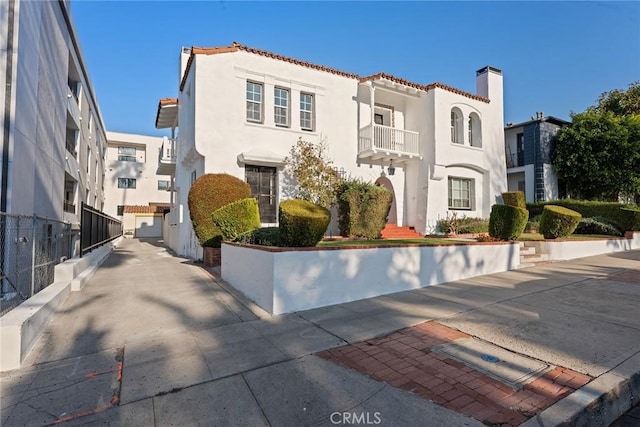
[557, 221]
[206, 195]
[514, 198]
[362, 209]
[507, 222]
[630, 219]
[237, 217]
[266, 236]
[302, 223]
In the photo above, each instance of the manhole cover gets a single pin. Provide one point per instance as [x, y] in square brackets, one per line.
[503, 365]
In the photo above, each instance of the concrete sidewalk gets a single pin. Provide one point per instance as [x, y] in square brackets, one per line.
[155, 340]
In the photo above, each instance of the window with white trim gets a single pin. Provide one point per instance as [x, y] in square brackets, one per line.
[281, 106]
[126, 154]
[126, 183]
[461, 193]
[254, 102]
[475, 130]
[306, 111]
[164, 185]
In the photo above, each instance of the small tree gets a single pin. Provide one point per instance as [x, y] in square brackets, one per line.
[313, 177]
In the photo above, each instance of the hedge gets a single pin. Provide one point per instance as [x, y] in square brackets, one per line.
[558, 221]
[362, 209]
[302, 223]
[507, 222]
[626, 215]
[514, 198]
[266, 236]
[597, 225]
[206, 195]
[237, 217]
[463, 225]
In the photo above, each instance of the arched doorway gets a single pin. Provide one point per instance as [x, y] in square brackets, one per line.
[393, 212]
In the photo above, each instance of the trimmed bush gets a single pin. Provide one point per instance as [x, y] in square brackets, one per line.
[362, 209]
[237, 217]
[267, 236]
[302, 223]
[463, 225]
[557, 221]
[206, 195]
[623, 214]
[630, 219]
[597, 225]
[532, 226]
[514, 198]
[507, 222]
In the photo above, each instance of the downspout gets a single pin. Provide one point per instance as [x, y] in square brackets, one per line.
[7, 107]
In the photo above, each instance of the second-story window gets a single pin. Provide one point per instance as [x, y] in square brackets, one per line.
[254, 102]
[126, 154]
[126, 183]
[281, 106]
[456, 126]
[306, 111]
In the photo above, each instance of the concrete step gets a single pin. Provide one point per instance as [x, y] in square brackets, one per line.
[392, 231]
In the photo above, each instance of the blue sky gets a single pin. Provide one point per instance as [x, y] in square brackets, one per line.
[556, 57]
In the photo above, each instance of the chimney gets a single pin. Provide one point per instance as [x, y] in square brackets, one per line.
[489, 85]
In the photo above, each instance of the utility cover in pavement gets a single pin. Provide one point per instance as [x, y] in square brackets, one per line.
[493, 361]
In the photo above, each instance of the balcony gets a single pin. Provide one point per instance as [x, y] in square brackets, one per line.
[515, 160]
[378, 144]
[69, 207]
[167, 157]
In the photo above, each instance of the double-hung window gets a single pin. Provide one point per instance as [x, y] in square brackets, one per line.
[461, 193]
[281, 106]
[306, 111]
[126, 154]
[254, 102]
[126, 183]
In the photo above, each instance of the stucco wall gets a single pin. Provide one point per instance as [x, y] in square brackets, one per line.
[287, 281]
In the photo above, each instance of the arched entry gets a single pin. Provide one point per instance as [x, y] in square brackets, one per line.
[393, 212]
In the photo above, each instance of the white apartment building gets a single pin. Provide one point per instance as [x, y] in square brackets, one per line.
[135, 176]
[53, 140]
[240, 110]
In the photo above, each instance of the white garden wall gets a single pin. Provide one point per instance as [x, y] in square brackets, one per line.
[287, 280]
[565, 250]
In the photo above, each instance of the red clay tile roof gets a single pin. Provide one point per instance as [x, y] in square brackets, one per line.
[235, 47]
[422, 87]
[143, 209]
[163, 102]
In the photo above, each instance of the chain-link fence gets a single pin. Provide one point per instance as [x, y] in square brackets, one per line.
[30, 247]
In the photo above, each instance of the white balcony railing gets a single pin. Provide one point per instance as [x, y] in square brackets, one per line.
[378, 138]
[167, 157]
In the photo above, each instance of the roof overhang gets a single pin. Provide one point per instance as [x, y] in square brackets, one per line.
[261, 158]
[167, 115]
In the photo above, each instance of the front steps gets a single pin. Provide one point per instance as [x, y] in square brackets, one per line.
[392, 231]
[529, 257]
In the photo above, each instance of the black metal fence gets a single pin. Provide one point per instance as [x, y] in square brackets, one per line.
[30, 248]
[96, 229]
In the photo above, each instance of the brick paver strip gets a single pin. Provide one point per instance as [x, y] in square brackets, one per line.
[404, 359]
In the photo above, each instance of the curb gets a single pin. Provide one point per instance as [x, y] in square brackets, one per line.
[598, 403]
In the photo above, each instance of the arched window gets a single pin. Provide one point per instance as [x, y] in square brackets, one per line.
[475, 130]
[456, 126]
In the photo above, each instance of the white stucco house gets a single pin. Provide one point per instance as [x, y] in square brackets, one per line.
[240, 110]
[136, 175]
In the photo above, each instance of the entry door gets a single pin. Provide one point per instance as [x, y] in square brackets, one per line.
[262, 180]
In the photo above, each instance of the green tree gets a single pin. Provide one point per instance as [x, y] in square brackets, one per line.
[310, 173]
[598, 155]
[620, 102]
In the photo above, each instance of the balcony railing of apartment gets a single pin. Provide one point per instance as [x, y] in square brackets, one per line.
[514, 160]
[71, 148]
[69, 207]
[167, 157]
[379, 138]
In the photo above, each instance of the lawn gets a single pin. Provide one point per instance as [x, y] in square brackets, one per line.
[389, 242]
[538, 236]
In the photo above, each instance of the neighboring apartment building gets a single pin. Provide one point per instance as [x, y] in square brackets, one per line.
[53, 136]
[134, 177]
[529, 146]
[240, 110]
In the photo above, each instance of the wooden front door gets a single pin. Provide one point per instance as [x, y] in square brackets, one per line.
[262, 180]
